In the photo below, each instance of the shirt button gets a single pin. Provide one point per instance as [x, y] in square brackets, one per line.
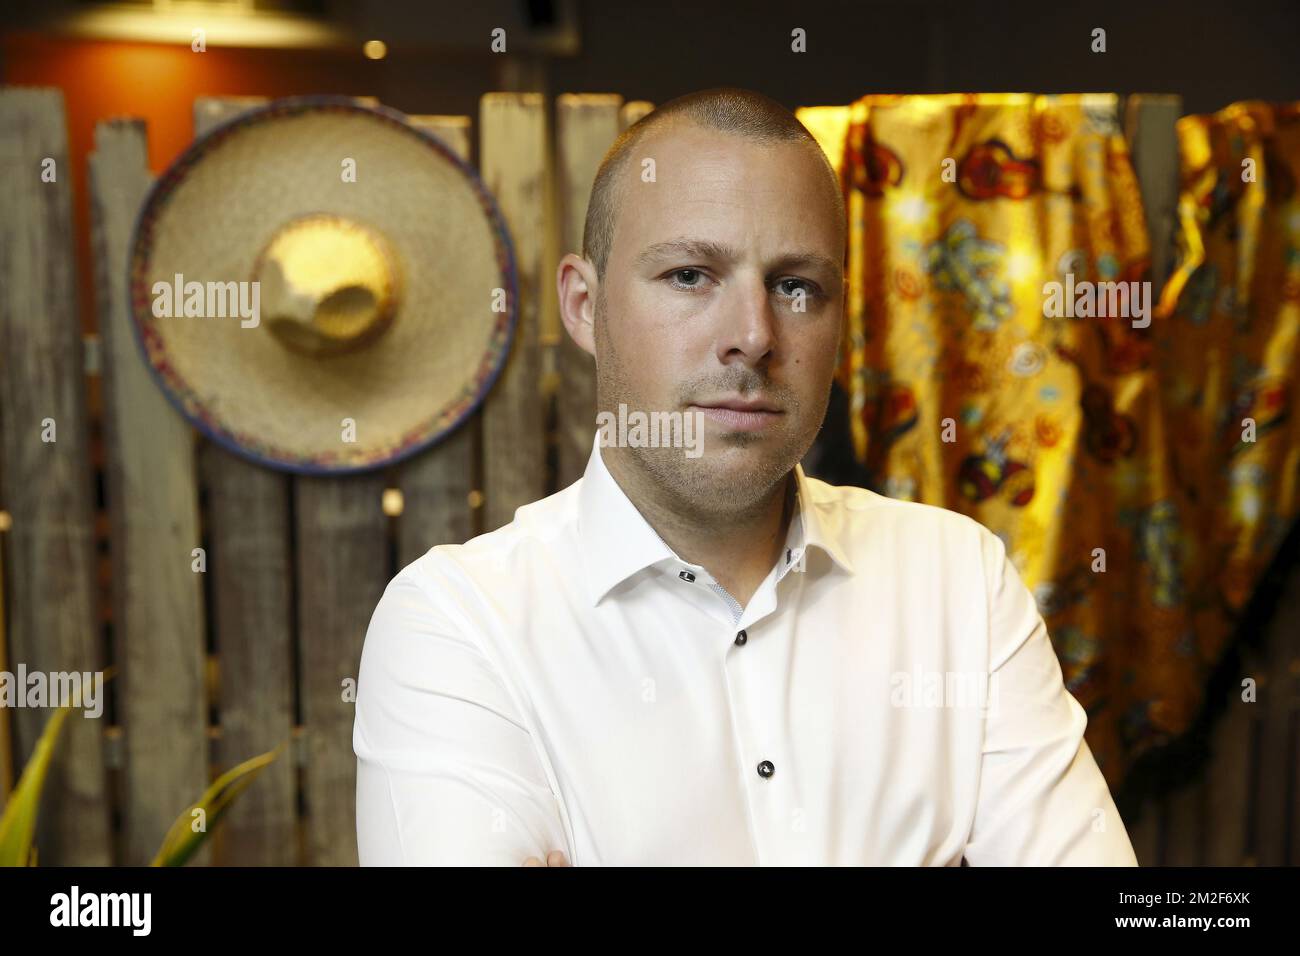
[741, 638]
[765, 769]
[686, 576]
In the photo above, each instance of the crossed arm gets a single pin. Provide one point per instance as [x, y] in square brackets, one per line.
[447, 773]
[1042, 798]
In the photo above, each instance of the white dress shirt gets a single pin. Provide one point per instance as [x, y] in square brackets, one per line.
[888, 697]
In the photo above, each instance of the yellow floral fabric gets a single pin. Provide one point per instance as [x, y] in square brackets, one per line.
[1094, 444]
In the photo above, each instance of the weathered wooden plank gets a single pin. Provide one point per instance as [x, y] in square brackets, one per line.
[250, 534]
[1185, 825]
[1294, 784]
[633, 110]
[343, 567]
[1228, 780]
[512, 127]
[437, 484]
[1284, 699]
[1288, 615]
[210, 111]
[7, 776]
[343, 555]
[1277, 747]
[1153, 144]
[1168, 833]
[1144, 833]
[47, 484]
[153, 511]
[586, 126]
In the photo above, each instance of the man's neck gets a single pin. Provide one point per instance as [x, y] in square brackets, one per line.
[739, 551]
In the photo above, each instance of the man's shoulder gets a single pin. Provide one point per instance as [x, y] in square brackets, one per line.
[906, 537]
[863, 510]
[539, 530]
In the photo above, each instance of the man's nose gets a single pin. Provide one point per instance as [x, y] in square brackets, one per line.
[747, 323]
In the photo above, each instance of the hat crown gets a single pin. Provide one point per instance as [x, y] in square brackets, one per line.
[329, 284]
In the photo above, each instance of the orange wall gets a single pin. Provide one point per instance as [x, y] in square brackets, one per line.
[158, 83]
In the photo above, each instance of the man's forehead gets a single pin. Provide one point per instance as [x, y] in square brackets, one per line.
[694, 198]
[658, 183]
[708, 152]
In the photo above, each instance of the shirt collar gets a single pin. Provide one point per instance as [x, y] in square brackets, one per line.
[617, 541]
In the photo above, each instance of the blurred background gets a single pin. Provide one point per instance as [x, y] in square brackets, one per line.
[1077, 434]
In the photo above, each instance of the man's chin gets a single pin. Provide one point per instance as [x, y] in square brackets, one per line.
[733, 473]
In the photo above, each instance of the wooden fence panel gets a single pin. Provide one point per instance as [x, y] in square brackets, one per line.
[1287, 626]
[248, 512]
[1185, 825]
[252, 595]
[153, 508]
[438, 484]
[1144, 832]
[587, 125]
[344, 564]
[1153, 142]
[633, 110]
[512, 127]
[1275, 710]
[1160, 833]
[1228, 780]
[47, 485]
[343, 567]
[7, 776]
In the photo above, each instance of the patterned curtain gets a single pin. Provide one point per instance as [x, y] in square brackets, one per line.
[1003, 358]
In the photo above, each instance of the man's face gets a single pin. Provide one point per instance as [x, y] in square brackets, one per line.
[699, 308]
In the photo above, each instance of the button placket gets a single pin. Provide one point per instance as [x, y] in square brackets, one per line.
[732, 603]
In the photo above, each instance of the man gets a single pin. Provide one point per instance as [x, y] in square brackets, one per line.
[712, 658]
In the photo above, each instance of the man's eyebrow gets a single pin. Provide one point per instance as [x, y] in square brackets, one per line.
[707, 249]
[690, 248]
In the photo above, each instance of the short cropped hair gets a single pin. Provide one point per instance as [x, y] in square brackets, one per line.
[728, 109]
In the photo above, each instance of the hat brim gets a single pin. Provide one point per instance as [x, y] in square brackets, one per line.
[209, 216]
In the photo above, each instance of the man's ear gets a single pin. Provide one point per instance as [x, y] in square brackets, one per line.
[576, 282]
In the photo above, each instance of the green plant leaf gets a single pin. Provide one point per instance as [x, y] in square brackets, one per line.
[18, 824]
[181, 841]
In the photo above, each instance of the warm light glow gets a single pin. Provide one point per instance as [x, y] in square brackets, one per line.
[393, 502]
[375, 49]
[222, 27]
[1022, 263]
[1292, 218]
[910, 208]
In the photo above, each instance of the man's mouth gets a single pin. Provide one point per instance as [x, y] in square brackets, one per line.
[739, 414]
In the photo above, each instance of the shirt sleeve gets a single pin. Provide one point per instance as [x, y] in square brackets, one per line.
[447, 772]
[1042, 798]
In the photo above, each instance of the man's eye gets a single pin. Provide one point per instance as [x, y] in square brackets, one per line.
[810, 290]
[689, 273]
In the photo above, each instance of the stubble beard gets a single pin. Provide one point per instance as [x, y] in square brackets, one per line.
[727, 482]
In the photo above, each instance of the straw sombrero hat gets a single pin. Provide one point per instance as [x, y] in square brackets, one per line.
[321, 287]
